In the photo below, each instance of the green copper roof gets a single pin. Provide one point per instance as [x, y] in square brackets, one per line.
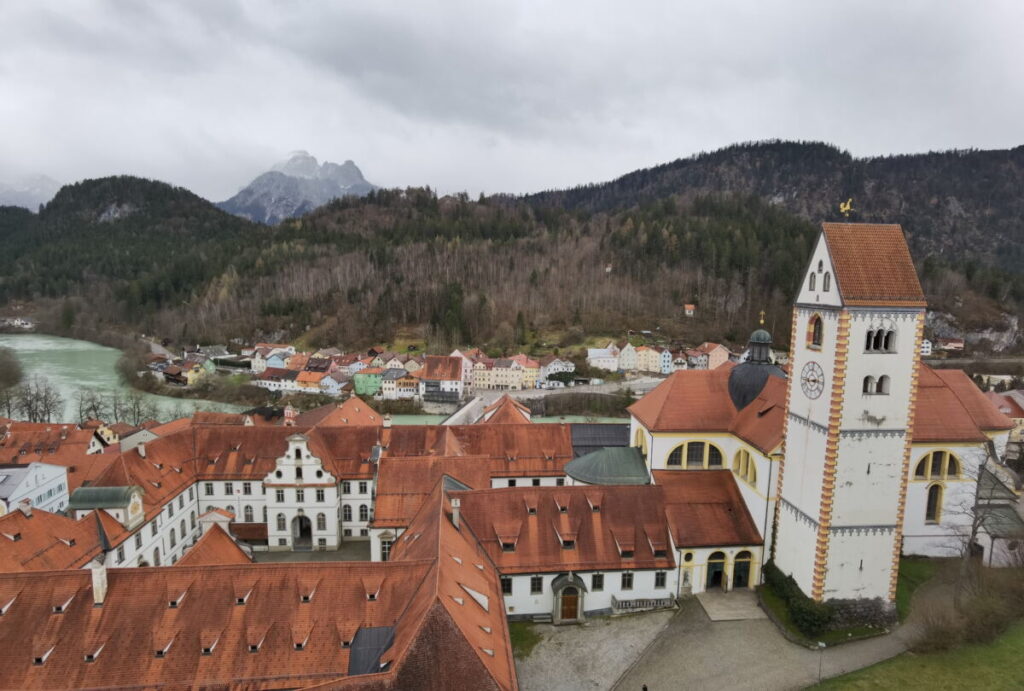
[618, 465]
[101, 497]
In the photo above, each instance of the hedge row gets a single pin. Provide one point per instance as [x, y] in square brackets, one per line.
[810, 617]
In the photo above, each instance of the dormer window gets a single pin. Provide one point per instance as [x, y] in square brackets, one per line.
[300, 646]
[568, 544]
[531, 510]
[346, 644]
[508, 547]
[660, 554]
[372, 597]
[627, 554]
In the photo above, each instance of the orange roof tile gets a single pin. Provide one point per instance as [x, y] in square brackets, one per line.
[1007, 405]
[47, 541]
[872, 264]
[951, 408]
[705, 509]
[213, 548]
[442, 367]
[626, 515]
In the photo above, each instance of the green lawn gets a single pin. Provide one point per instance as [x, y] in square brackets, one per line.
[914, 572]
[993, 666]
[524, 638]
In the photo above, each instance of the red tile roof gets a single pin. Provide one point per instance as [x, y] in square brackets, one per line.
[352, 412]
[629, 517]
[505, 411]
[442, 367]
[872, 264]
[1006, 404]
[46, 541]
[951, 408]
[215, 547]
[705, 509]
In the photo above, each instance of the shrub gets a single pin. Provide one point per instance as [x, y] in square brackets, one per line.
[812, 618]
[987, 617]
[939, 631]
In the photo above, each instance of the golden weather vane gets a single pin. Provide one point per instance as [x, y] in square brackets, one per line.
[846, 207]
[762, 317]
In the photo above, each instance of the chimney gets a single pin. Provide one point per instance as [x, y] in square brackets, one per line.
[99, 581]
[387, 421]
[25, 506]
[456, 504]
[141, 448]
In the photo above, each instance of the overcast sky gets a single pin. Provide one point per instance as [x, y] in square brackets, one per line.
[490, 96]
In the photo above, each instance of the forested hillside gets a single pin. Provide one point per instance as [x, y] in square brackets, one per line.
[728, 231]
[955, 204]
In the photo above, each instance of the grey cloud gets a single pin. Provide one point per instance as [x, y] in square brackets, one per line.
[487, 95]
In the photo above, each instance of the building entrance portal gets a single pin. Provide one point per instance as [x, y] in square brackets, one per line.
[302, 533]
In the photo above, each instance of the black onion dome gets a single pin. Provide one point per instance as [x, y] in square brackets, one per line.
[747, 380]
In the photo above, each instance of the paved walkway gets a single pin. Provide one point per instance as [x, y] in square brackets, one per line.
[694, 652]
[738, 605]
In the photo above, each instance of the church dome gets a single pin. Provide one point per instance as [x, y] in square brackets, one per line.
[747, 379]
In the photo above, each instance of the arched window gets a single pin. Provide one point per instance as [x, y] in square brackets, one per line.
[281, 525]
[156, 556]
[298, 473]
[298, 453]
[883, 384]
[869, 342]
[934, 508]
[364, 512]
[810, 284]
[173, 540]
[695, 455]
[869, 384]
[247, 514]
[264, 514]
[938, 465]
[346, 513]
[879, 340]
[821, 266]
[192, 520]
[815, 331]
[826, 283]
[184, 530]
[321, 522]
[889, 342]
[699, 455]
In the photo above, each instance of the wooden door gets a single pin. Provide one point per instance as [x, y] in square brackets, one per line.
[570, 603]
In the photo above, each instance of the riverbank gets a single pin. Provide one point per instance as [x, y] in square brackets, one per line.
[72, 366]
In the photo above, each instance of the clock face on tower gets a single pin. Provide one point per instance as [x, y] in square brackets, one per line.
[812, 380]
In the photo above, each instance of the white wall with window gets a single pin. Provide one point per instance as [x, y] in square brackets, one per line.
[527, 595]
[941, 488]
[302, 501]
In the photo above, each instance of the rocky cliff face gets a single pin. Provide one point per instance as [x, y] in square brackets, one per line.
[295, 187]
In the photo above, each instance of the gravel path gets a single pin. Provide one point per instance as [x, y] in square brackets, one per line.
[588, 657]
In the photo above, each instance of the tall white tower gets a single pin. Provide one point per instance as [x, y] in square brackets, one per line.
[854, 358]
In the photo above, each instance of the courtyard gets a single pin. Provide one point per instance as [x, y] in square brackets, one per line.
[349, 551]
[737, 649]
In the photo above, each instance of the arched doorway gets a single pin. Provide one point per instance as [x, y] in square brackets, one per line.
[302, 533]
[716, 571]
[568, 589]
[741, 570]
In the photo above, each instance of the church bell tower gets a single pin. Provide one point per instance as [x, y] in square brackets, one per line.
[854, 358]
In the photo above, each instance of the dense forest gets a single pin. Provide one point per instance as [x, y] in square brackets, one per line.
[729, 231]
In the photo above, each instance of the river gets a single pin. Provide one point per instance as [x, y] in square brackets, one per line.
[71, 365]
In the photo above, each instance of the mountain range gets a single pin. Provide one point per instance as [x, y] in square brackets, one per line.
[728, 230]
[295, 187]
